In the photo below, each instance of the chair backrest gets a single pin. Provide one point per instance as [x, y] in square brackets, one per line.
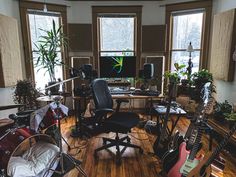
[101, 94]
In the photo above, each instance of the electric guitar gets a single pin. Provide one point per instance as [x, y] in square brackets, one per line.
[203, 168]
[187, 161]
[170, 158]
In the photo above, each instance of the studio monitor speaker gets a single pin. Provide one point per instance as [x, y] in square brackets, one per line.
[88, 71]
[148, 70]
[159, 65]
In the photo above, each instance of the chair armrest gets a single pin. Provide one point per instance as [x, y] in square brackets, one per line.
[103, 111]
[119, 101]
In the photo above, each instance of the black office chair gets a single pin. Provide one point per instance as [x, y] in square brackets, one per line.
[112, 121]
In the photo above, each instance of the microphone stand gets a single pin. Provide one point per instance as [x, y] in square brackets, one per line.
[61, 156]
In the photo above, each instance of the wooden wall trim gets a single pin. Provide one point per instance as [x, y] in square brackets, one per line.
[39, 6]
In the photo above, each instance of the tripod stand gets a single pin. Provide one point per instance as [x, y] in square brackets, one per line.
[61, 156]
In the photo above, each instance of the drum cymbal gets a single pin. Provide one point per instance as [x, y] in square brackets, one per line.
[10, 106]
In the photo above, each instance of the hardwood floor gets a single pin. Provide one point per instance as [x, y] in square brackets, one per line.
[133, 163]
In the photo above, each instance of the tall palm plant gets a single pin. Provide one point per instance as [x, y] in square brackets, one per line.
[48, 47]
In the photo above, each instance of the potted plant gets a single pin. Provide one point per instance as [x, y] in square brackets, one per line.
[174, 78]
[198, 81]
[26, 94]
[222, 109]
[48, 48]
[231, 118]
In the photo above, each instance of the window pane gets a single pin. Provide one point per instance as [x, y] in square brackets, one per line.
[37, 22]
[182, 57]
[187, 28]
[116, 34]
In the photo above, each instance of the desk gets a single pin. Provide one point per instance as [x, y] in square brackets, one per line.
[135, 97]
[174, 111]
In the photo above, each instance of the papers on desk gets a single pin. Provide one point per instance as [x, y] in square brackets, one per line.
[173, 110]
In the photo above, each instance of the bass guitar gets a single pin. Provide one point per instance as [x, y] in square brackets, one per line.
[203, 168]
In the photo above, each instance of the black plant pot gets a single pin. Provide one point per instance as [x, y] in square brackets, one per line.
[53, 90]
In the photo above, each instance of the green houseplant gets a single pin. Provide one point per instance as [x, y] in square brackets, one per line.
[48, 48]
[222, 109]
[231, 118]
[174, 78]
[198, 81]
[25, 93]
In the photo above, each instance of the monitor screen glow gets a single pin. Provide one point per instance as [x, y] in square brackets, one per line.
[117, 66]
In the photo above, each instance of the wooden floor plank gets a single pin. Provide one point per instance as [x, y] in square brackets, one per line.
[133, 163]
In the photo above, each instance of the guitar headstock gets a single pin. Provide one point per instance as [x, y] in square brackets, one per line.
[207, 100]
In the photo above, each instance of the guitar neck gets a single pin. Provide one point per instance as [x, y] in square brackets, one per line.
[221, 145]
[196, 144]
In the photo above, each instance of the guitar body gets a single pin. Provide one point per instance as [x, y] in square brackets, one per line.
[200, 170]
[171, 157]
[182, 166]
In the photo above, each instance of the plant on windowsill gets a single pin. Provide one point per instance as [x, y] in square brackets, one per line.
[174, 77]
[198, 81]
[47, 48]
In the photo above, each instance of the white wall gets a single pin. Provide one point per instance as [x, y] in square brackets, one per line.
[225, 90]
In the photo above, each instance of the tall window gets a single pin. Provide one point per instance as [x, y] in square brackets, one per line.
[186, 28]
[38, 22]
[117, 36]
[34, 20]
[188, 22]
[117, 32]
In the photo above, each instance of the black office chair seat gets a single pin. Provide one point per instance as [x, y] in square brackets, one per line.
[121, 122]
[117, 122]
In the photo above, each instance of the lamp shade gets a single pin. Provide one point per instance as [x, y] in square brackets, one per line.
[190, 48]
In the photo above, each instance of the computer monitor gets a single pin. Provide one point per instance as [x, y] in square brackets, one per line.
[117, 66]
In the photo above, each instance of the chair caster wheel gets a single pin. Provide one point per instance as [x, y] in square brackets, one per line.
[95, 155]
[118, 161]
[141, 151]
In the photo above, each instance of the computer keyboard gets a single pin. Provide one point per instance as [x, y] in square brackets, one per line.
[117, 92]
[146, 93]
